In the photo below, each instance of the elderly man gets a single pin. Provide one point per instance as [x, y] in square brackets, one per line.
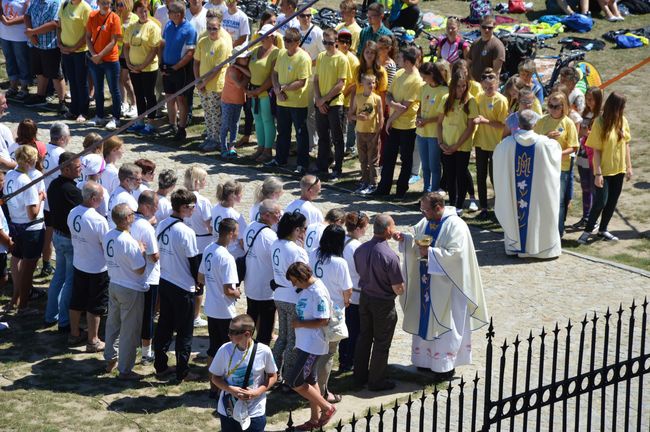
[309, 190]
[59, 139]
[487, 51]
[126, 262]
[64, 195]
[527, 191]
[380, 280]
[144, 232]
[130, 176]
[90, 280]
[444, 300]
[179, 268]
[258, 238]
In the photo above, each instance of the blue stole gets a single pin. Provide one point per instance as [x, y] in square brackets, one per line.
[432, 229]
[524, 163]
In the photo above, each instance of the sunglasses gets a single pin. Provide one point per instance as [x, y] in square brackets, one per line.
[554, 106]
[487, 77]
[305, 15]
[289, 40]
[329, 43]
[211, 29]
[236, 332]
[486, 27]
[121, 5]
[314, 183]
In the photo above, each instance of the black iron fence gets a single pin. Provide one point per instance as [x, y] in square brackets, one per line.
[585, 376]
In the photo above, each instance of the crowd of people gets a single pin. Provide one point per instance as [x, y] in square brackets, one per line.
[131, 253]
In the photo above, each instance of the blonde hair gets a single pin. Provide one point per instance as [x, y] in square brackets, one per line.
[228, 188]
[113, 143]
[26, 155]
[193, 175]
[91, 139]
[269, 187]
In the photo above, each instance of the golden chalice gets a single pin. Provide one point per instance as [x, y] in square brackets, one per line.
[424, 241]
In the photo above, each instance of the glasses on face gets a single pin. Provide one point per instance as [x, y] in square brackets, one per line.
[525, 102]
[213, 29]
[344, 42]
[554, 106]
[236, 332]
[487, 27]
[121, 5]
[289, 40]
[329, 43]
[305, 15]
[487, 77]
[313, 184]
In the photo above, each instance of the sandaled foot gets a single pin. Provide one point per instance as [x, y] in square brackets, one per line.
[327, 416]
[308, 425]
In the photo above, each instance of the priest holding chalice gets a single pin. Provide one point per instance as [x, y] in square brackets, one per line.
[444, 301]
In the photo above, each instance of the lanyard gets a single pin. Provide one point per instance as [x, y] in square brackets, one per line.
[231, 371]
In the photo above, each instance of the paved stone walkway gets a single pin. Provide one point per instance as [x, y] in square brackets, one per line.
[521, 294]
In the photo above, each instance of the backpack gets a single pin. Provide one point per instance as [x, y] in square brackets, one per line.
[478, 9]
[516, 6]
[578, 23]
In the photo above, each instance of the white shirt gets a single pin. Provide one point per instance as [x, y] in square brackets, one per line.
[294, 23]
[313, 43]
[351, 246]
[307, 209]
[335, 276]
[312, 303]
[176, 245]
[123, 258]
[144, 232]
[162, 15]
[109, 178]
[12, 150]
[164, 208]
[6, 140]
[4, 226]
[285, 253]
[87, 229]
[14, 180]
[200, 220]
[119, 196]
[229, 356]
[222, 7]
[259, 269]
[236, 24]
[198, 21]
[220, 213]
[143, 187]
[11, 9]
[51, 161]
[312, 236]
[103, 207]
[219, 269]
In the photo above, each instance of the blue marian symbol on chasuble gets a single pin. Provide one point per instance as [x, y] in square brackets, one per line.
[432, 229]
[524, 159]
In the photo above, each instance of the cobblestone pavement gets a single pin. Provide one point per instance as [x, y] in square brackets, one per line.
[521, 294]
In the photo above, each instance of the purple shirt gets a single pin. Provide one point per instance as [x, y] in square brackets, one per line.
[379, 269]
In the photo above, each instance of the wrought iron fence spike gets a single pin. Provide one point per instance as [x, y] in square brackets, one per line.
[423, 397]
[645, 302]
[608, 315]
[584, 322]
[461, 384]
[569, 326]
[516, 342]
[490, 333]
[633, 307]
[339, 426]
[620, 309]
[543, 333]
[476, 378]
[396, 406]
[556, 330]
[290, 422]
[504, 347]
[531, 338]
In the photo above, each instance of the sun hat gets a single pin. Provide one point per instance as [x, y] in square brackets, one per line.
[92, 164]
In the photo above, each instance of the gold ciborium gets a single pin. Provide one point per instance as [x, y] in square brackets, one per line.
[425, 241]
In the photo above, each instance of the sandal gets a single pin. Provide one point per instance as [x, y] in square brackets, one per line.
[308, 425]
[327, 416]
[334, 398]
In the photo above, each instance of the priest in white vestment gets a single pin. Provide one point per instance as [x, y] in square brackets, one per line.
[527, 191]
[444, 300]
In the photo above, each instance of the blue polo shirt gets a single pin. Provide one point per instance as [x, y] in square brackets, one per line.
[367, 34]
[178, 40]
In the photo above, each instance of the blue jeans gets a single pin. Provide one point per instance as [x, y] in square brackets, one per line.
[298, 117]
[17, 58]
[230, 114]
[60, 291]
[76, 71]
[430, 158]
[566, 193]
[110, 70]
[231, 425]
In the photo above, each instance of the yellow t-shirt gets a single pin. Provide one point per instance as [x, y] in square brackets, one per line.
[142, 39]
[455, 123]
[371, 105]
[292, 68]
[406, 88]
[382, 83]
[73, 19]
[568, 134]
[475, 88]
[492, 108]
[210, 53]
[355, 31]
[431, 106]
[133, 18]
[261, 68]
[277, 40]
[353, 70]
[612, 149]
[330, 69]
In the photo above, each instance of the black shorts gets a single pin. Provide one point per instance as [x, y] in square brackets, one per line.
[173, 81]
[218, 332]
[123, 65]
[3, 264]
[304, 369]
[47, 218]
[46, 62]
[28, 244]
[89, 292]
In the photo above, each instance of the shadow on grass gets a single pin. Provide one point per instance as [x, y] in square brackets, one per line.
[159, 403]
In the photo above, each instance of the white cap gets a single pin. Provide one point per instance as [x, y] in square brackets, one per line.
[92, 164]
[266, 28]
[242, 54]
[240, 413]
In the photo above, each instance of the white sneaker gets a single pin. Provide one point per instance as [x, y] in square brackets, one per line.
[124, 108]
[607, 236]
[95, 121]
[132, 112]
[112, 124]
[472, 206]
[200, 322]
